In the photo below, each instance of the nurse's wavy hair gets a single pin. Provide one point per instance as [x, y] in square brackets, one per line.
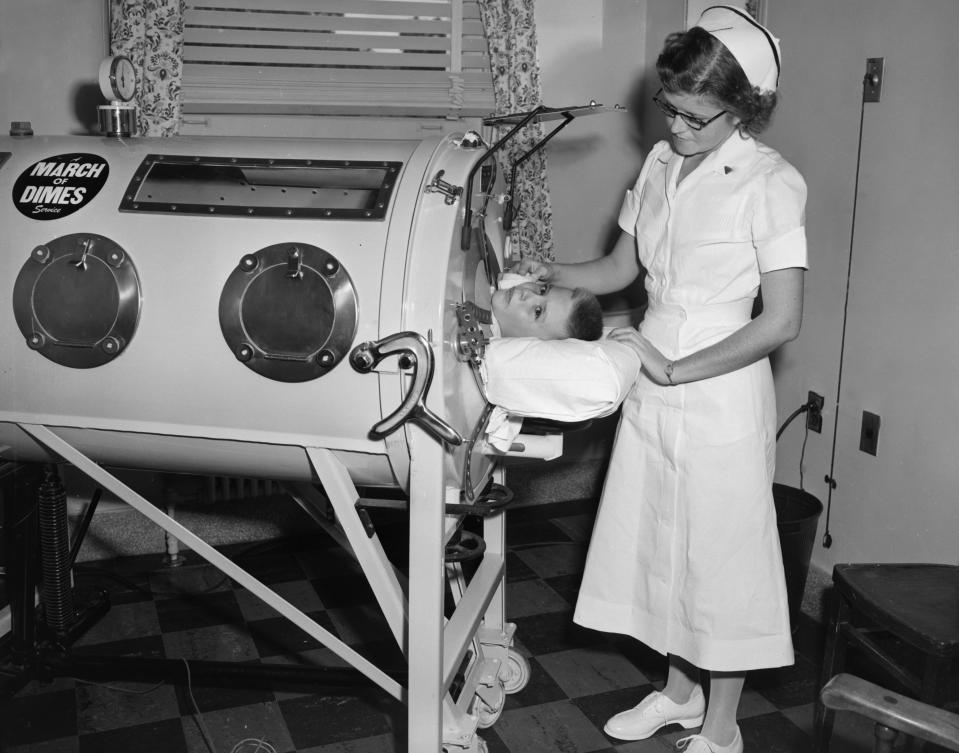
[695, 62]
[585, 320]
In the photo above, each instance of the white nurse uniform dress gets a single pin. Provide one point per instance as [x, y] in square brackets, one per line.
[685, 552]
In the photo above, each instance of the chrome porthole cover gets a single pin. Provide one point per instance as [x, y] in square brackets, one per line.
[289, 312]
[77, 300]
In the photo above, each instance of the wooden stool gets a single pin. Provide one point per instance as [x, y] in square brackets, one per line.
[915, 604]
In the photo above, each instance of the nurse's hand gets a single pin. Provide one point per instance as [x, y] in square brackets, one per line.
[540, 270]
[654, 362]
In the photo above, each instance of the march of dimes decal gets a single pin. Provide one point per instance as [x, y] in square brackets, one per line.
[58, 186]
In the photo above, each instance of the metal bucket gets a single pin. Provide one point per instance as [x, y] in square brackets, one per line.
[797, 515]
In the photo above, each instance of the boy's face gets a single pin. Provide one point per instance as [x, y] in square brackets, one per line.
[533, 309]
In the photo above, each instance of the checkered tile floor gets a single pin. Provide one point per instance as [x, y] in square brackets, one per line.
[578, 677]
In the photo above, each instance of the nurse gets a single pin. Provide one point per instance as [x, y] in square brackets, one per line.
[685, 553]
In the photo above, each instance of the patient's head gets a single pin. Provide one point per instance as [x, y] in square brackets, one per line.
[549, 312]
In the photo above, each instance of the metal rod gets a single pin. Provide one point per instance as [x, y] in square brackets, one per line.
[468, 219]
[512, 177]
[84, 525]
[367, 551]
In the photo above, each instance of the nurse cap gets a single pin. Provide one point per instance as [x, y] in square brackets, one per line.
[755, 49]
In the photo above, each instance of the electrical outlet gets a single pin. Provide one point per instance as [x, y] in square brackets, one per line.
[872, 81]
[814, 405]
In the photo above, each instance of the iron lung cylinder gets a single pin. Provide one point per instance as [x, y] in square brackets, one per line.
[190, 304]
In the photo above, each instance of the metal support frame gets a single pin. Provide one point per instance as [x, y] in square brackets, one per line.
[436, 648]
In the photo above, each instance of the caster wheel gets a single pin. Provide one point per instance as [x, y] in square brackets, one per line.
[480, 746]
[486, 714]
[514, 672]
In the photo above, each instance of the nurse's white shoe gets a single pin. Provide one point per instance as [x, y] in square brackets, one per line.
[654, 712]
[699, 744]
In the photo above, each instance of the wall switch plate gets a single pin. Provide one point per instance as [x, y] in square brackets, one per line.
[869, 435]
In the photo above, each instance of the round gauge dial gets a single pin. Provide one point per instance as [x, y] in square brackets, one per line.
[118, 80]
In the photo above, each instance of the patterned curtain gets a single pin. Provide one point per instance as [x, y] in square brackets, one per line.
[150, 33]
[511, 35]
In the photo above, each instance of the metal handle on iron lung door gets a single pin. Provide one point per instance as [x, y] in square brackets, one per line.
[419, 354]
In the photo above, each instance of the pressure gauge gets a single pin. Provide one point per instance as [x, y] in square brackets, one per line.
[118, 80]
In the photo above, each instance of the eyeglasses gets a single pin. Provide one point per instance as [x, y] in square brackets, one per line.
[697, 124]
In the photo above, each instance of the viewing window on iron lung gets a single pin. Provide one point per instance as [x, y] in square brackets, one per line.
[262, 187]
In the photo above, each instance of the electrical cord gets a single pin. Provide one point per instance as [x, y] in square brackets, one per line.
[801, 409]
[259, 744]
[802, 456]
[207, 737]
[831, 478]
[804, 408]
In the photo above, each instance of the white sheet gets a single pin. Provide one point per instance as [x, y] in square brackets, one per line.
[562, 380]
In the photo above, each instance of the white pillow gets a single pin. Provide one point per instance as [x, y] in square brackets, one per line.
[562, 380]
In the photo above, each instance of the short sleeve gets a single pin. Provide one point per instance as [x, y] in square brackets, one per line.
[629, 212]
[779, 220]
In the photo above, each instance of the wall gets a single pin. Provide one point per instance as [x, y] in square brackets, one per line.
[900, 351]
[48, 71]
[900, 354]
[590, 52]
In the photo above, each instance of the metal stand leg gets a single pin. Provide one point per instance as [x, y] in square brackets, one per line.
[833, 659]
[366, 548]
[934, 690]
[885, 736]
[498, 668]
[426, 584]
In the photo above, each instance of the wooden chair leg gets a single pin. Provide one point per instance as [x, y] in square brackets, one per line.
[885, 736]
[833, 659]
[933, 691]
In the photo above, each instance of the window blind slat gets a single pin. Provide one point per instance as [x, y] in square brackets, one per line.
[205, 74]
[300, 22]
[296, 39]
[361, 7]
[315, 58]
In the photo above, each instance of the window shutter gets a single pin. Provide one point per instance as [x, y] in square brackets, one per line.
[336, 57]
